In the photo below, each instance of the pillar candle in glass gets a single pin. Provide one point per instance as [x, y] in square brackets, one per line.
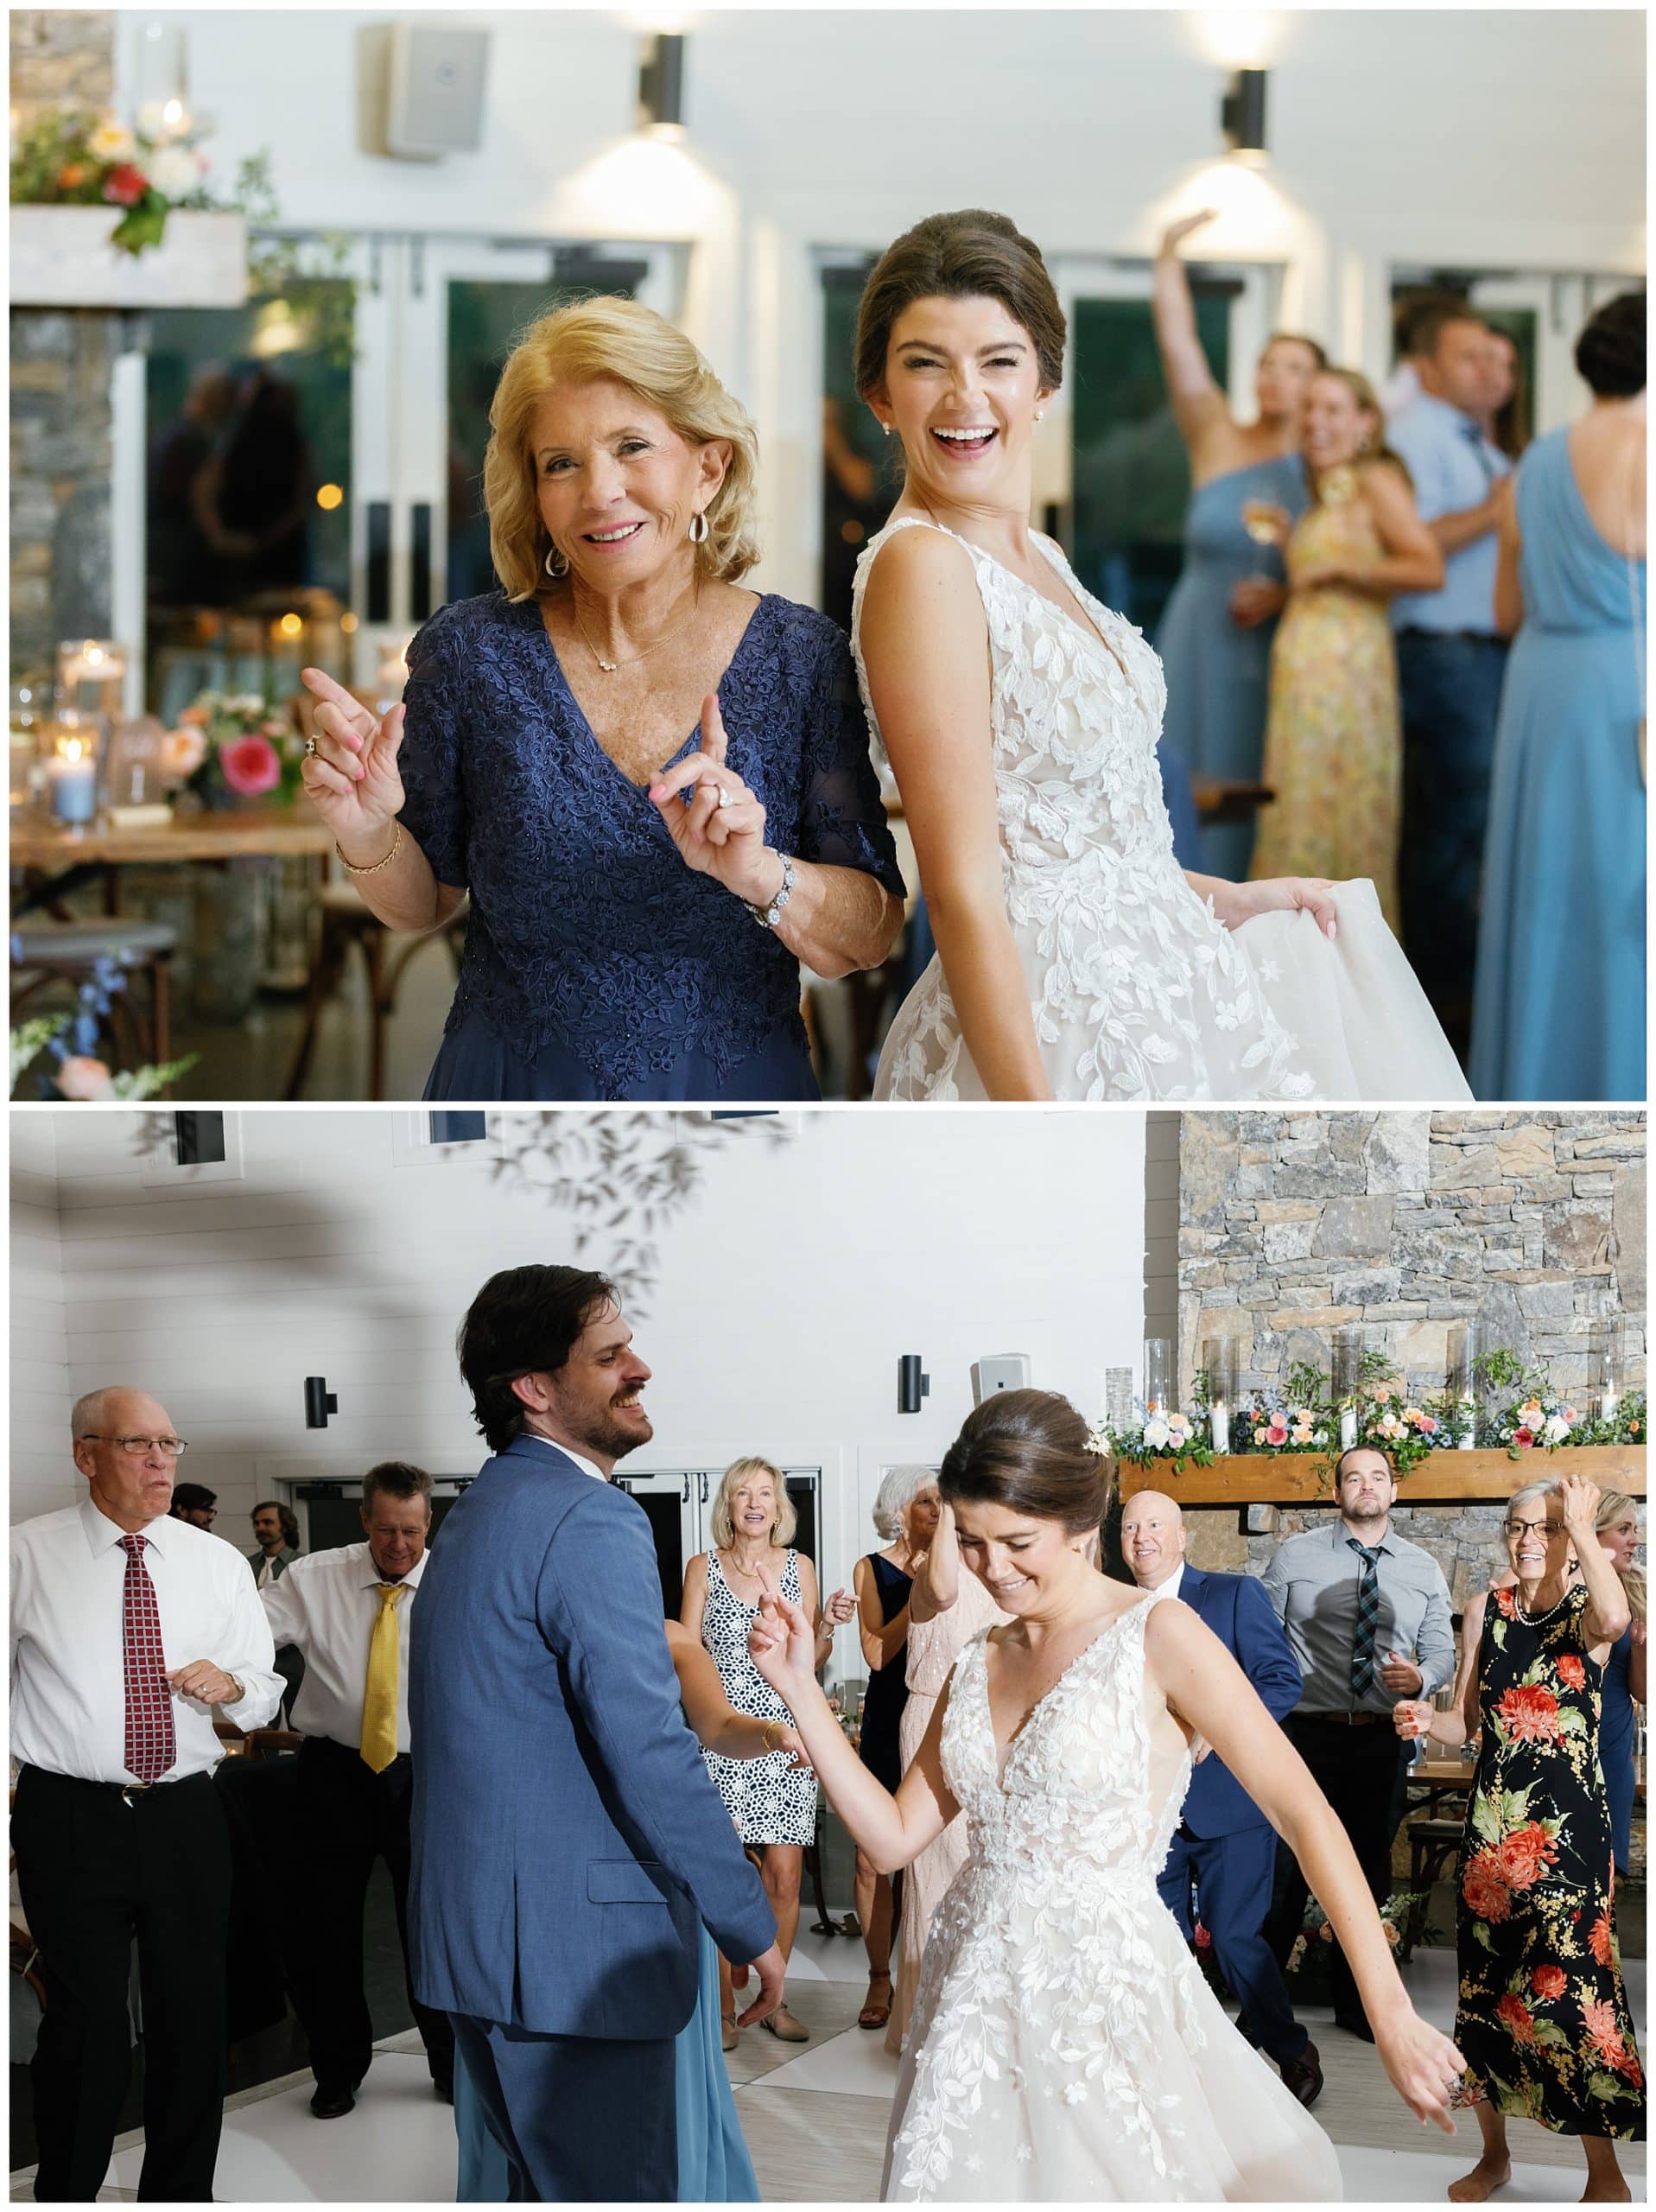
[1348, 1368]
[1460, 1352]
[1604, 1369]
[1158, 1374]
[1220, 1363]
[72, 771]
[94, 666]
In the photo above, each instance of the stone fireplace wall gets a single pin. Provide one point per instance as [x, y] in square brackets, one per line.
[1291, 1223]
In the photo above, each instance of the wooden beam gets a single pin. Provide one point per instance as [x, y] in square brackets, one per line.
[1442, 1478]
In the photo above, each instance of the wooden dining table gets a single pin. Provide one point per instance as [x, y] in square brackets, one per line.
[57, 857]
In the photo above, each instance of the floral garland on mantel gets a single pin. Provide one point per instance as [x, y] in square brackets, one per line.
[1513, 1409]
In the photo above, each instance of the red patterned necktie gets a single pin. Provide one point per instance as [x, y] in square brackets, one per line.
[151, 1748]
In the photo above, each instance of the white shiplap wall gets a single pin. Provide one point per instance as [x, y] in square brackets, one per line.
[42, 1477]
[786, 1293]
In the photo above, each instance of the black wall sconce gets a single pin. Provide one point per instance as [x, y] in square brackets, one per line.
[913, 1383]
[1242, 114]
[320, 1401]
[661, 86]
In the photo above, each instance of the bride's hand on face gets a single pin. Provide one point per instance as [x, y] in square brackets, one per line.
[782, 1642]
[725, 842]
[1237, 903]
[1423, 2066]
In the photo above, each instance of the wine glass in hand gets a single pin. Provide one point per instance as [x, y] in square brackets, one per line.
[351, 779]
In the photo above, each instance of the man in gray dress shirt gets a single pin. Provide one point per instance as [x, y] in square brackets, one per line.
[1367, 1618]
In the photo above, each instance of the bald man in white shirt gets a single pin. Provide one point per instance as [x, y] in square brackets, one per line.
[130, 1630]
[356, 1783]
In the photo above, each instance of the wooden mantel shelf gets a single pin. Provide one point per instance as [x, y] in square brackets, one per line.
[1445, 1479]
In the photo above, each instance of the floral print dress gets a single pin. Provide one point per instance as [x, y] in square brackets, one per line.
[1543, 2019]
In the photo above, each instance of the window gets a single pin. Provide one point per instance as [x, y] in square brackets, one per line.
[192, 1147]
[430, 1133]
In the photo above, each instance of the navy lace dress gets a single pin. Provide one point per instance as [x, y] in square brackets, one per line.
[597, 964]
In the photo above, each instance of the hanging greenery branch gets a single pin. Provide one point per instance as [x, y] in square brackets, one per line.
[622, 1178]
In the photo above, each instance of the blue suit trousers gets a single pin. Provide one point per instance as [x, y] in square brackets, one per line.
[1233, 1877]
[582, 2119]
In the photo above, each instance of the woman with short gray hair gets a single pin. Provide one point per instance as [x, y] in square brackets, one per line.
[1543, 2020]
[905, 1514]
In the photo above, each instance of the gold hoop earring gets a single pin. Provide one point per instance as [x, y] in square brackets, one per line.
[698, 532]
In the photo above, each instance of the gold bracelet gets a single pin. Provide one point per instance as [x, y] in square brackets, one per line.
[765, 1734]
[396, 845]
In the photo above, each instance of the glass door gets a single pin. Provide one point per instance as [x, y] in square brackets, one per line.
[1112, 480]
[679, 1504]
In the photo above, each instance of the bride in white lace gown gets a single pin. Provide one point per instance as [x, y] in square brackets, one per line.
[1076, 959]
[1064, 2046]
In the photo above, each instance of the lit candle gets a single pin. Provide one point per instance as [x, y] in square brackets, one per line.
[1348, 1427]
[1219, 1413]
[72, 776]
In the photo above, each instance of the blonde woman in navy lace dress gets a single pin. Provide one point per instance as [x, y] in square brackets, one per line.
[772, 1803]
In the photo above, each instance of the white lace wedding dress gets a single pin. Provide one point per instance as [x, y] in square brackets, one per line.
[1138, 991]
[1064, 2047]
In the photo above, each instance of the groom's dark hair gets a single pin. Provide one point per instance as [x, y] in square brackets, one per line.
[524, 1321]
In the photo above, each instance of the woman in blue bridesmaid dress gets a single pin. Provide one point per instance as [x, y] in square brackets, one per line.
[1559, 1006]
[714, 2166]
[1248, 488]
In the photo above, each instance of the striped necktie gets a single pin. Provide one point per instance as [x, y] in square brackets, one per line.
[1363, 1642]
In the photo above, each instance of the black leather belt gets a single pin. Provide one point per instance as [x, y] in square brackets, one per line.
[1349, 1719]
[1462, 637]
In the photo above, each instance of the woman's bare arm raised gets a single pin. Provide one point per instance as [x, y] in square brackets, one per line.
[352, 781]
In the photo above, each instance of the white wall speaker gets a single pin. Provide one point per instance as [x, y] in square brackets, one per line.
[435, 85]
[1006, 1370]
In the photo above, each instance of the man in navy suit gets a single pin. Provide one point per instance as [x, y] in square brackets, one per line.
[1224, 1843]
[566, 1836]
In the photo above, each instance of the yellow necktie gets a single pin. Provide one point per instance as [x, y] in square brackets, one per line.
[379, 1697]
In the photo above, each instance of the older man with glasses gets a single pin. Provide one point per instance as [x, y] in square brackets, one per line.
[130, 1630]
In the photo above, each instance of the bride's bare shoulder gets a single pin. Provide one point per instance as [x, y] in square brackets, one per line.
[918, 563]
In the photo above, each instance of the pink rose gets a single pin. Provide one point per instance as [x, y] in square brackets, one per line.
[79, 1078]
[182, 751]
[1277, 1435]
[250, 767]
[125, 186]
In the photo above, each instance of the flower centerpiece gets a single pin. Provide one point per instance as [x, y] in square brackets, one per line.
[1155, 1435]
[1400, 1909]
[70, 157]
[230, 747]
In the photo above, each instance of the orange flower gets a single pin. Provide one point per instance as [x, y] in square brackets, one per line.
[1516, 2013]
[1602, 1943]
[1605, 2031]
[72, 175]
[1571, 1672]
[1549, 1982]
[1504, 1603]
[1525, 1854]
[1484, 1886]
[1531, 1714]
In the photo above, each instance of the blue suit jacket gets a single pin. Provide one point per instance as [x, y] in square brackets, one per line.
[1237, 1610]
[566, 1835]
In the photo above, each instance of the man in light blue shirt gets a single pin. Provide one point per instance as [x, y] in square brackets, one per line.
[1451, 660]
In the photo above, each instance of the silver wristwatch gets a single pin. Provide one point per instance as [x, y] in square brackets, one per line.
[768, 916]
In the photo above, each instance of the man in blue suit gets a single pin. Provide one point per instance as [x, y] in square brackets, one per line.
[1223, 1842]
[566, 1836]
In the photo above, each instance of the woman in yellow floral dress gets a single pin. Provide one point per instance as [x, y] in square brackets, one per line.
[1334, 738]
[1543, 2020]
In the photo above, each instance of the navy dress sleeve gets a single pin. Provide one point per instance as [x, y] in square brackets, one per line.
[434, 810]
[842, 816]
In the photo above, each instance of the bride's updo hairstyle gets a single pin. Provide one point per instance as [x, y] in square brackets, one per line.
[1030, 1451]
[972, 254]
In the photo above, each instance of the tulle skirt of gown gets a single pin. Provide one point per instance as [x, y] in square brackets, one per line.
[1362, 1028]
[1184, 2111]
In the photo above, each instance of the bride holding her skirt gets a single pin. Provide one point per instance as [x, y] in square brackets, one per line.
[1076, 959]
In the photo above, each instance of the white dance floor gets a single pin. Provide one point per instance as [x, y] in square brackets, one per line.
[398, 2145]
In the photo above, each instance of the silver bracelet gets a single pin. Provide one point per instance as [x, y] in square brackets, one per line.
[768, 916]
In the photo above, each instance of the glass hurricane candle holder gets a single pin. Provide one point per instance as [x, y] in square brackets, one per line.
[1220, 1363]
[1347, 1375]
[1158, 1374]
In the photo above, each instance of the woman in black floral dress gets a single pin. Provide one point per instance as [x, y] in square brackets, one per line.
[1543, 2018]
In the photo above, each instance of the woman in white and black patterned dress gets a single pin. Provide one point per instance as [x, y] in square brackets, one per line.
[772, 1803]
